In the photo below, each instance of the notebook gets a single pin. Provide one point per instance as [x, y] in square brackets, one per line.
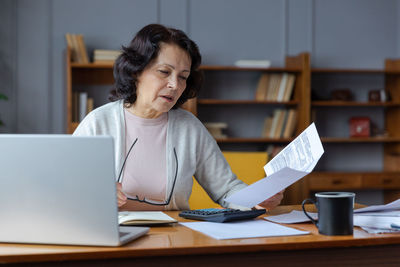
[60, 189]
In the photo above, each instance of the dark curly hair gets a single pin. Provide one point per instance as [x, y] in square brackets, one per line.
[144, 48]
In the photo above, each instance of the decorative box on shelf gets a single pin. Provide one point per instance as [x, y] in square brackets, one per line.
[342, 95]
[360, 127]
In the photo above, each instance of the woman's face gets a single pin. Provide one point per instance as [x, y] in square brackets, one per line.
[162, 82]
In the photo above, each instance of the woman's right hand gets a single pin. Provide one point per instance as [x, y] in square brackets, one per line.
[121, 197]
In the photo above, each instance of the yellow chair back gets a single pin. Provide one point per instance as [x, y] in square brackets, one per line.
[248, 166]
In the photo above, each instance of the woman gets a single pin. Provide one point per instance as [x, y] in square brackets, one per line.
[159, 147]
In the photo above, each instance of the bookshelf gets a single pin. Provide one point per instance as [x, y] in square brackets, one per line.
[237, 105]
[297, 65]
[386, 174]
[80, 75]
[233, 107]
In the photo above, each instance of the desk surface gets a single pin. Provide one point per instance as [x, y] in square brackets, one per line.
[178, 241]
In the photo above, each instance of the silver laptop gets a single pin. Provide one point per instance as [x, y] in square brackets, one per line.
[60, 189]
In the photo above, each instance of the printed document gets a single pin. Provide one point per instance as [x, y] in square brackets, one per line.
[294, 162]
[242, 229]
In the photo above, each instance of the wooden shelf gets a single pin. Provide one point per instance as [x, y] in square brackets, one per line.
[253, 140]
[92, 65]
[360, 139]
[243, 102]
[234, 68]
[349, 71]
[354, 71]
[332, 103]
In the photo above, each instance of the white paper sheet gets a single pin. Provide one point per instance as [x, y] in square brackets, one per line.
[391, 206]
[294, 162]
[380, 222]
[295, 216]
[372, 230]
[242, 229]
[386, 213]
[301, 154]
[265, 188]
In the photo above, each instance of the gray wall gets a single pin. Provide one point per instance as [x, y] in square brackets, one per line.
[8, 29]
[341, 33]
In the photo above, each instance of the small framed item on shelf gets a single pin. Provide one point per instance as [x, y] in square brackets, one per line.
[360, 127]
[378, 95]
[374, 96]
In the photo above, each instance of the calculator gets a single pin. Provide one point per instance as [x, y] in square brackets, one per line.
[221, 215]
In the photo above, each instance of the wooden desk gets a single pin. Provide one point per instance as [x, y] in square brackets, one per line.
[180, 246]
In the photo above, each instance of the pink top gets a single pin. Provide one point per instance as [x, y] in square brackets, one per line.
[145, 172]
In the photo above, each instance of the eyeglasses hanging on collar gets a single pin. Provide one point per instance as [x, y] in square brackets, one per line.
[144, 200]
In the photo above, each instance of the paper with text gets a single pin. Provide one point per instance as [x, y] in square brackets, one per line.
[294, 162]
[301, 154]
[242, 229]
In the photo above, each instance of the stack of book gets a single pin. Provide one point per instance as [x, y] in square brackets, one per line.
[253, 63]
[216, 129]
[78, 48]
[81, 105]
[105, 56]
[275, 87]
[281, 124]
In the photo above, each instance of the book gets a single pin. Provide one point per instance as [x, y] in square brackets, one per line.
[215, 129]
[82, 49]
[267, 126]
[289, 87]
[253, 63]
[274, 124]
[78, 48]
[282, 87]
[83, 96]
[262, 87]
[280, 123]
[105, 56]
[70, 44]
[75, 106]
[273, 87]
[290, 124]
[144, 218]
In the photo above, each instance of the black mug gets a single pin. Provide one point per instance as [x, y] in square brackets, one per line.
[335, 212]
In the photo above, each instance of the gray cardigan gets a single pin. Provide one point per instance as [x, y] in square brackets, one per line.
[197, 152]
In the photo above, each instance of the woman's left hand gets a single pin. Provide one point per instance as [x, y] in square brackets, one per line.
[271, 202]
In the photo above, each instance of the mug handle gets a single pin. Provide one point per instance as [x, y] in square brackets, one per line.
[305, 212]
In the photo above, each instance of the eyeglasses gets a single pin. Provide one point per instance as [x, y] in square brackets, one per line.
[144, 200]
